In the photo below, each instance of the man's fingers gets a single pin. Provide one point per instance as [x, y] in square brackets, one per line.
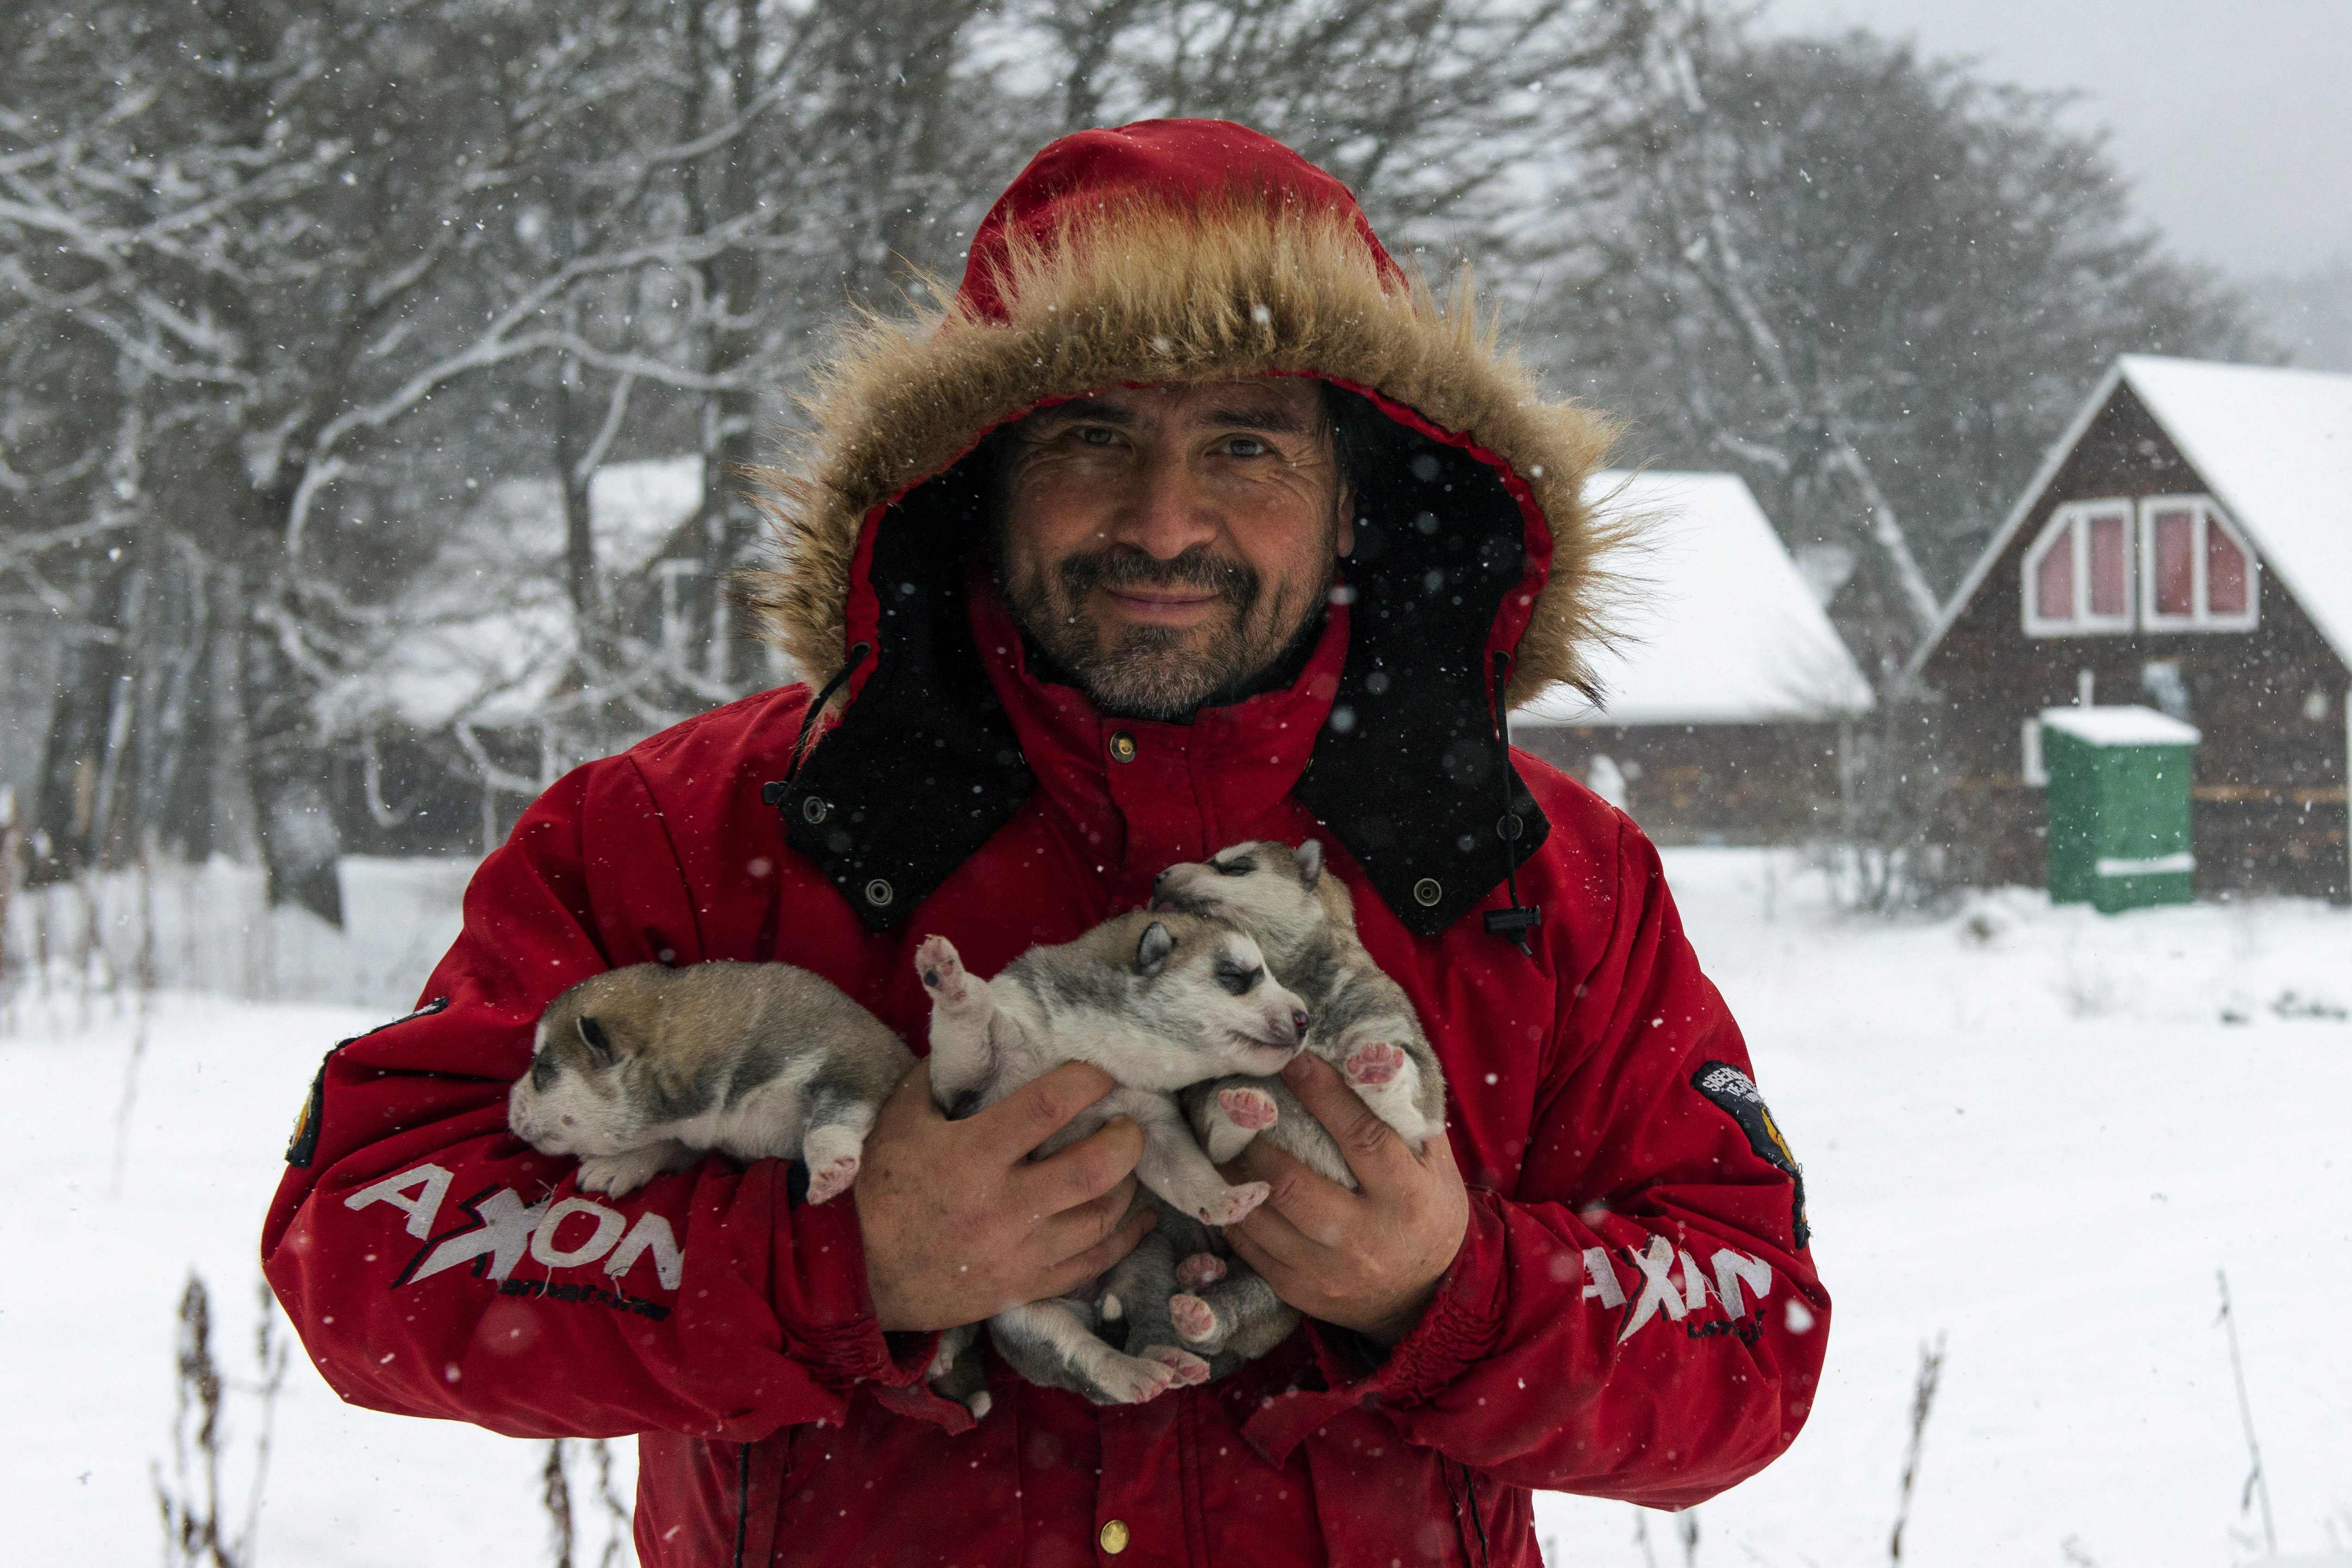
[1098, 1258]
[1085, 1170]
[1039, 1109]
[1370, 1145]
[1317, 1207]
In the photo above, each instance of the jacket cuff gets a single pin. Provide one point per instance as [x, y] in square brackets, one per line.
[1457, 1329]
[823, 1306]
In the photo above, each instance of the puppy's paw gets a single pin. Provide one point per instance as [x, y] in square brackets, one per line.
[1236, 1203]
[1195, 1320]
[1185, 1368]
[1132, 1379]
[1110, 1307]
[830, 1178]
[1373, 1065]
[1200, 1269]
[616, 1174]
[977, 1405]
[937, 960]
[1252, 1109]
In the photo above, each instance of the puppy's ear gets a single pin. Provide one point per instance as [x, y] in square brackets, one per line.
[1308, 857]
[1152, 953]
[598, 1043]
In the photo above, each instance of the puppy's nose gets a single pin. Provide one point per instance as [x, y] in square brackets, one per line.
[1297, 1023]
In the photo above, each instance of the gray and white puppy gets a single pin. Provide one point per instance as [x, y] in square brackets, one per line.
[640, 1070]
[1158, 1003]
[1362, 1024]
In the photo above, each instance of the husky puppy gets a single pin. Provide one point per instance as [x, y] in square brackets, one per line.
[640, 1070]
[1364, 1024]
[1158, 1003]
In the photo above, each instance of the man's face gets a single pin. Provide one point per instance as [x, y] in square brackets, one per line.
[1166, 545]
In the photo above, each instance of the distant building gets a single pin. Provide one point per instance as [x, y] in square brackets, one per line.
[1721, 713]
[445, 728]
[2187, 546]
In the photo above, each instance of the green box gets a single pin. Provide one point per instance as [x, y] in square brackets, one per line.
[2118, 794]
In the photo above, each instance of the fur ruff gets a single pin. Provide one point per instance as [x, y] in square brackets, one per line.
[1138, 292]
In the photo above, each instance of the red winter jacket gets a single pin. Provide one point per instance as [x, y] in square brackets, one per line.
[1633, 1312]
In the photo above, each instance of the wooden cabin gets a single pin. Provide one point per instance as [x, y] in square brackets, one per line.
[2187, 546]
[1722, 710]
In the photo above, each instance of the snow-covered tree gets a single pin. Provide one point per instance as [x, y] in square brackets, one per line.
[1875, 286]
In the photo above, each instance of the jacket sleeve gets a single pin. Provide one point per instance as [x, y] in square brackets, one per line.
[435, 1264]
[1638, 1317]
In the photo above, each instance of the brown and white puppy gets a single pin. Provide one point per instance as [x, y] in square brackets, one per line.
[641, 1070]
[1362, 1024]
[1158, 1002]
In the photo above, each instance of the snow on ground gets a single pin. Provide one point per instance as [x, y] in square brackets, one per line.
[2037, 1132]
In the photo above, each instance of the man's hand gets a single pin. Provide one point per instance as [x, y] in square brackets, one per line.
[959, 1225]
[1366, 1260]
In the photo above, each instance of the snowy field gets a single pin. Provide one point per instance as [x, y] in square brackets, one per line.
[2036, 1132]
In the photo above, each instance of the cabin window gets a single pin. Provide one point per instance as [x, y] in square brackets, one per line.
[2196, 573]
[2078, 575]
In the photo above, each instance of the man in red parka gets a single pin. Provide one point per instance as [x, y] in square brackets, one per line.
[1190, 520]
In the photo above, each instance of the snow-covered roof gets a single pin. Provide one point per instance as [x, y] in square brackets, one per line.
[487, 633]
[2274, 447]
[1725, 631]
[2121, 726]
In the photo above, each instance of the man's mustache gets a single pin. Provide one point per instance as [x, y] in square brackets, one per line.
[1125, 566]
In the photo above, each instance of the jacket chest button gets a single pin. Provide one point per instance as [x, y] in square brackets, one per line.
[878, 893]
[1113, 1536]
[1426, 892]
[813, 810]
[1122, 750]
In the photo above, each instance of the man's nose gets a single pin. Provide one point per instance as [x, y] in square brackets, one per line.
[1168, 512]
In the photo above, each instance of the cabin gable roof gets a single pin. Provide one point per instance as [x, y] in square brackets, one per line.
[2273, 446]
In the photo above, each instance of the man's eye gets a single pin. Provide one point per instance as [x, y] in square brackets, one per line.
[1247, 446]
[1096, 434]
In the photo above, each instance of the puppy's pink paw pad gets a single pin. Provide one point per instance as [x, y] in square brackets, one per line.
[1235, 1205]
[831, 1179]
[937, 961]
[1185, 1369]
[1137, 1379]
[1253, 1109]
[1194, 1319]
[1200, 1269]
[1374, 1064]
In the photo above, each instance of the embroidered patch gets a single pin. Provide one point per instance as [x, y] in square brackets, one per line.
[303, 1146]
[1735, 1093]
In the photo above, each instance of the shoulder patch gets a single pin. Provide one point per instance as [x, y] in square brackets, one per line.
[1737, 1096]
[303, 1146]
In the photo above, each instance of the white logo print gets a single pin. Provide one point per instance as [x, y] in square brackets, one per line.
[571, 1234]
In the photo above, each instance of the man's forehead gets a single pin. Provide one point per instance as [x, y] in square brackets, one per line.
[1276, 402]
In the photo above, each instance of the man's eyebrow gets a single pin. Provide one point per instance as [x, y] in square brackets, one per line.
[1088, 408]
[1271, 417]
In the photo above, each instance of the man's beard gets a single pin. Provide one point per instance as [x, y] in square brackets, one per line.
[1148, 671]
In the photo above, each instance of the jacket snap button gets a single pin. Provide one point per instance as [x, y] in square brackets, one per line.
[1426, 892]
[813, 810]
[877, 893]
[1114, 1531]
[1122, 750]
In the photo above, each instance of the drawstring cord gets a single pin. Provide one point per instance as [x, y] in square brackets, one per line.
[1515, 922]
[772, 793]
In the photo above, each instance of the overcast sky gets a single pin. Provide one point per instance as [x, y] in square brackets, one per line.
[2233, 118]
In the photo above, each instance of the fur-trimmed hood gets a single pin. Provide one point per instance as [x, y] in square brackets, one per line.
[1166, 251]
[1183, 250]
